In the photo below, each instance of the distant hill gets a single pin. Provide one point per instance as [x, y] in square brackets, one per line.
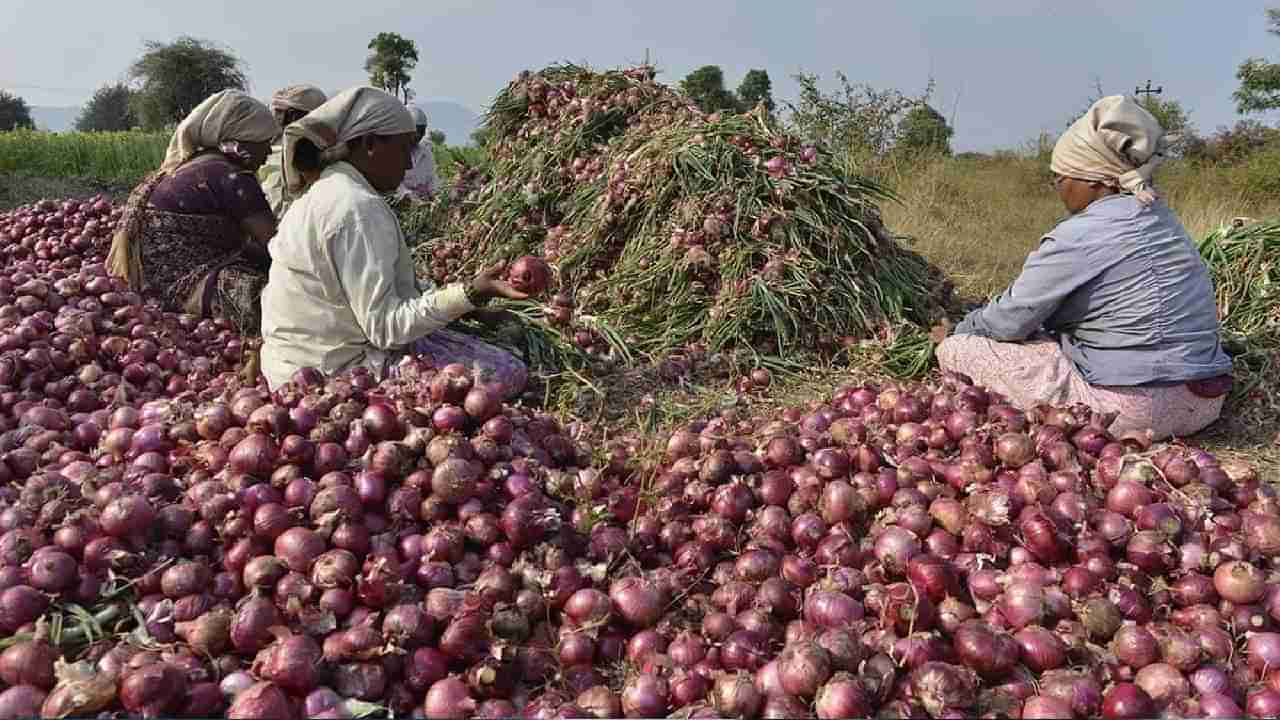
[457, 121]
[56, 119]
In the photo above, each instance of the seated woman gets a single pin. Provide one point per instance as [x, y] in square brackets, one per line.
[287, 106]
[342, 290]
[1115, 309]
[195, 232]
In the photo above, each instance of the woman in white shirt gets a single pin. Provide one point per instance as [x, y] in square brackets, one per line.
[342, 290]
[288, 105]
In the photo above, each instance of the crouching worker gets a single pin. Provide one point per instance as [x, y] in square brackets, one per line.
[1115, 309]
[195, 232]
[288, 105]
[342, 290]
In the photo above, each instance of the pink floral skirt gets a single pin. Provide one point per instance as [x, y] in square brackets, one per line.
[487, 363]
[1036, 371]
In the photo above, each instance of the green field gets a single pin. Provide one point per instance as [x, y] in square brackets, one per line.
[115, 158]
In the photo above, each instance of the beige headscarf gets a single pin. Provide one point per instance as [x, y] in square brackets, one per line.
[224, 116]
[1116, 142]
[303, 98]
[348, 115]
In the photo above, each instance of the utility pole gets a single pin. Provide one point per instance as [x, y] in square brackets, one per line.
[1148, 91]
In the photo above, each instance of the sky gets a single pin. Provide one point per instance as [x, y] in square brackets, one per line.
[1004, 70]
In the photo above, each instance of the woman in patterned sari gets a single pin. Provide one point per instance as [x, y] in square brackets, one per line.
[195, 232]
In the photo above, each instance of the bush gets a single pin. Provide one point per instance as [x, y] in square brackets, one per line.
[1260, 173]
[1233, 144]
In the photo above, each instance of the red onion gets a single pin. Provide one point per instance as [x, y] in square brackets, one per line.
[255, 455]
[1239, 582]
[803, 668]
[646, 696]
[292, 663]
[1163, 683]
[842, 697]
[155, 689]
[636, 601]
[1126, 700]
[735, 695]
[744, 650]
[1218, 705]
[299, 547]
[943, 689]
[895, 547]
[1263, 704]
[1262, 651]
[21, 701]
[29, 663]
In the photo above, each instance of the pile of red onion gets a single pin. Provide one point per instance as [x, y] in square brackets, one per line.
[175, 543]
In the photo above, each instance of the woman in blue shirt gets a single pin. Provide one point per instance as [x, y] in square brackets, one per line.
[1115, 309]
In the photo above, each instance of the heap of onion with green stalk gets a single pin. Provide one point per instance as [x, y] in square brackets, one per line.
[669, 227]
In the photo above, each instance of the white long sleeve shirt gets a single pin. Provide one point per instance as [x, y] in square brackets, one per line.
[271, 176]
[420, 181]
[342, 289]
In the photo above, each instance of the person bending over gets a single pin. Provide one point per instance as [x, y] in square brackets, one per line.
[342, 290]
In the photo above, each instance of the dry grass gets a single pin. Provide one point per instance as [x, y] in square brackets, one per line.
[978, 218]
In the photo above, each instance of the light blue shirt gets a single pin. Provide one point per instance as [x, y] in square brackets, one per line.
[1126, 293]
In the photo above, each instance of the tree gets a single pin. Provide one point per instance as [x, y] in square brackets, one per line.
[389, 64]
[1175, 120]
[857, 120]
[756, 88]
[174, 78]
[924, 129]
[437, 137]
[705, 86]
[1259, 80]
[1170, 113]
[480, 136]
[109, 109]
[14, 113]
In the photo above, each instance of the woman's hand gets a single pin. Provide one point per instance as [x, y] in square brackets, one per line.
[940, 331]
[490, 283]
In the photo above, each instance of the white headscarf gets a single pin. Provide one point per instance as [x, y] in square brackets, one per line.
[1117, 142]
[229, 115]
[303, 98]
[348, 115]
[419, 116]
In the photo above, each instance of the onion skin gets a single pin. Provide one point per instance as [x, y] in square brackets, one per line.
[261, 701]
[21, 701]
[943, 688]
[803, 668]
[1048, 708]
[1126, 700]
[1239, 582]
[842, 697]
